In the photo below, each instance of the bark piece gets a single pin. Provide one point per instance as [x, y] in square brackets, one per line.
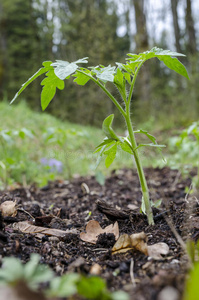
[114, 213]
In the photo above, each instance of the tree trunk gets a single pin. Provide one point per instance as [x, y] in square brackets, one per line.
[141, 37]
[174, 5]
[190, 29]
[141, 40]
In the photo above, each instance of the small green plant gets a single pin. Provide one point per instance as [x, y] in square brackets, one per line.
[33, 274]
[191, 287]
[187, 145]
[11, 154]
[13, 271]
[123, 76]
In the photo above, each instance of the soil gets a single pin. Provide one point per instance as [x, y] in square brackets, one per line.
[69, 205]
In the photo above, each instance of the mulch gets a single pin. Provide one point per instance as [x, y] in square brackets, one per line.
[69, 205]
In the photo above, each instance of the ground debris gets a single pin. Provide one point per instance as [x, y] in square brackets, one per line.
[71, 210]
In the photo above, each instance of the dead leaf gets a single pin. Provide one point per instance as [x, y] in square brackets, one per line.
[26, 227]
[8, 209]
[157, 250]
[132, 206]
[138, 241]
[93, 229]
[124, 242]
[135, 241]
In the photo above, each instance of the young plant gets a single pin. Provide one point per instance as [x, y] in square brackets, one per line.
[31, 275]
[187, 155]
[11, 154]
[123, 77]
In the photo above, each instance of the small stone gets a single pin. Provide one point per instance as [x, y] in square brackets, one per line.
[170, 293]
[95, 269]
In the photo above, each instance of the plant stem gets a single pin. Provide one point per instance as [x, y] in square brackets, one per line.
[107, 92]
[126, 115]
[143, 183]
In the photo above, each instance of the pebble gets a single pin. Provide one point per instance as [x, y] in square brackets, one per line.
[170, 293]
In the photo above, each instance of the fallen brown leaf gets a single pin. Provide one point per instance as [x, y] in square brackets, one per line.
[8, 208]
[138, 241]
[93, 229]
[26, 227]
[124, 242]
[157, 250]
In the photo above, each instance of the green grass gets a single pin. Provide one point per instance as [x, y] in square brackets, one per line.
[72, 144]
[20, 160]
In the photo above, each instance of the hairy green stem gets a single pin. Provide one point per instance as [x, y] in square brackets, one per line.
[133, 81]
[143, 183]
[107, 92]
[126, 115]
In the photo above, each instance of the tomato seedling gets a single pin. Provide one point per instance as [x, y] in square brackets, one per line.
[123, 76]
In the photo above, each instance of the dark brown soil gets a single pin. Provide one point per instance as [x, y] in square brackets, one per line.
[70, 205]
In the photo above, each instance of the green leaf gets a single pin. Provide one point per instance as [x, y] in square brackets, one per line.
[64, 69]
[150, 136]
[128, 77]
[41, 71]
[25, 132]
[107, 74]
[64, 286]
[126, 147]
[174, 64]
[50, 83]
[105, 142]
[81, 79]
[149, 145]
[6, 136]
[165, 56]
[110, 155]
[160, 51]
[91, 288]
[100, 178]
[192, 284]
[119, 78]
[120, 82]
[194, 129]
[31, 266]
[104, 73]
[106, 127]
[11, 271]
[101, 151]
[10, 160]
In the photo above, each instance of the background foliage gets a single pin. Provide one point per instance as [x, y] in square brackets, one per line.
[104, 30]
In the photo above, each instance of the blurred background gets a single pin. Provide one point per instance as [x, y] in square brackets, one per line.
[105, 31]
